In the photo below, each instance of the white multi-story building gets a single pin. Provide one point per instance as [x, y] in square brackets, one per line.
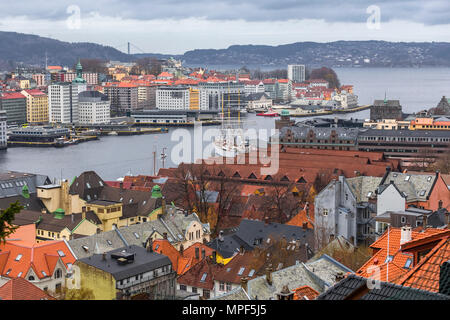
[181, 98]
[296, 72]
[94, 107]
[63, 102]
[3, 128]
[253, 86]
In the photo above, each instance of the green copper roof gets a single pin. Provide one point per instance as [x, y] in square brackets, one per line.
[79, 78]
[156, 192]
[25, 192]
[59, 213]
[285, 113]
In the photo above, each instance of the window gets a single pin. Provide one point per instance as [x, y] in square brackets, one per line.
[194, 290]
[206, 294]
[251, 273]
[222, 286]
[183, 287]
[403, 219]
[228, 286]
[31, 278]
[325, 212]
[241, 271]
[388, 259]
[408, 263]
[203, 277]
[58, 273]
[18, 257]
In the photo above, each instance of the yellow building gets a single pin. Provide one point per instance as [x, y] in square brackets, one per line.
[387, 124]
[194, 99]
[37, 106]
[442, 123]
[109, 213]
[100, 282]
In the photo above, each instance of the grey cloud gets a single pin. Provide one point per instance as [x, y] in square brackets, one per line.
[429, 12]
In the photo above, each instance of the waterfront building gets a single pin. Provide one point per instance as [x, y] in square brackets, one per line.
[15, 105]
[123, 97]
[414, 147]
[63, 102]
[38, 134]
[3, 130]
[94, 108]
[172, 116]
[386, 109]
[296, 72]
[180, 98]
[226, 94]
[258, 100]
[319, 138]
[128, 272]
[37, 106]
[270, 88]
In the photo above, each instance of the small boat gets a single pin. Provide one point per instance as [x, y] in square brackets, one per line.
[268, 114]
[113, 133]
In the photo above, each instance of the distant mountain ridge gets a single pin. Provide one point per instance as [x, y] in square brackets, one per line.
[31, 50]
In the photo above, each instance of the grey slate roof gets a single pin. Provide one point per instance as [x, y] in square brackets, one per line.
[387, 291]
[143, 262]
[362, 185]
[11, 183]
[250, 232]
[319, 275]
[404, 133]
[235, 294]
[416, 188]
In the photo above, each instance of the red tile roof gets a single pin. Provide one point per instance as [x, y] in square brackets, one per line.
[37, 256]
[426, 274]
[395, 270]
[201, 275]
[179, 263]
[305, 291]
[35, 92]
[12, 95]
[21, 289]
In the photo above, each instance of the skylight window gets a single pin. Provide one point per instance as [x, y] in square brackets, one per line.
[131, 200]
[203, 277]
[407, 178]
[88, 197]
[7, 272]
[18, 257]
[388, 259]
[100, 183]
[85, 248]
[156, 247]
[369, 194]
[241, 271]
[88, 185]
[228, 269]
[429, 179]
[251, 273]
[109, 242]
[61, 253]
[180, 237]
[408, 263]
[422, 193]
[136, 235]
[19, 275]
[43, 273]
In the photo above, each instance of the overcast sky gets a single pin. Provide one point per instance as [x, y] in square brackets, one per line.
[175, 26]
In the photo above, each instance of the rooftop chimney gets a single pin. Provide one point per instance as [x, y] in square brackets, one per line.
[241, 250]
[165, 235]
[244, 282]
[104, 256]
[305, 225]
[339, 276]
[181, 249]
[150, 245]
[405, 235]
[83, 212]
[269, 275]
[197, 253]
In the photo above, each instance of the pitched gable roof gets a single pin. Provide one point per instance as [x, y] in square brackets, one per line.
[21, 289]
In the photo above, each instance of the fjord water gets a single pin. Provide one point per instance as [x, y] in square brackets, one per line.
[113, 156]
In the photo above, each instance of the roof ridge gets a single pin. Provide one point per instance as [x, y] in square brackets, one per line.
[425, 259]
